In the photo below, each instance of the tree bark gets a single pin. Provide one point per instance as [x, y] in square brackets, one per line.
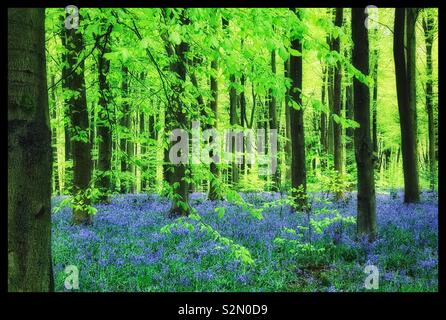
[323, 124]
[273, 126]
[29, 155]
[178, 119]
[124, 122]
[288, 149]
[74, 83]
[214, 188]
[404, 37]
[243, 119]
[337, 105]
[366, 217]
[428, 27]
[233, 120]
[105, 122]
[298, 170]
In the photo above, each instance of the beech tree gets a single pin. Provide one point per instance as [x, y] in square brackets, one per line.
[76, 101]
[298, 168]
[337, 104]
[29, 154]
[105, 118]
[429, 33]
[366, 216]
[404, 57]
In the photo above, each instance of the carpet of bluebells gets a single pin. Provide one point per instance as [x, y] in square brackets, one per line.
[134, 246]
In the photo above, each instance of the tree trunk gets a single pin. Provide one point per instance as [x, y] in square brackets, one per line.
[178, 119]
[105, 122]
[233, 120]
[330, 92]
[404, 29]
[74, 83]
[349, 132]
[288, 149]
[337, 106]
[428, 27]
[243, 120]
[124, 126]
[214, 188]
[366, 216]
[298, 171]
[29, 155]
[273, 126]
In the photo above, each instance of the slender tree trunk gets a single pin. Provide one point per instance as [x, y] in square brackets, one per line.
[124, 127]
[298, 170]
[428, 27]
[323, 125]
[273, 126]
[337, 105]
[404, 29]
[214, 188]
[152, 147]
[60, 138]
[74, 85]
[143, 150]
[330, 92]
[29, 155]
[243, 120]
[105, 118]
[349, 132]
[366, 218]
[288, 149]
[233, 120]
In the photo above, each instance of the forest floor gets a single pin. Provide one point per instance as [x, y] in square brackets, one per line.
[133, 246]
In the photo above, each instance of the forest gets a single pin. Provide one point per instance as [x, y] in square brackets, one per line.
[222, 149]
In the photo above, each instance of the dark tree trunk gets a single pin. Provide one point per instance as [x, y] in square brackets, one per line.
[243, 120]
[142, 130]
[151, 123]
[428, 27]
[214, 188]
[288, 149]
[74, 84]
[349, 132]
[337, 105]
[105, 121]
[178, 119]
[273, 126]
[124, 127]
[323, 125]
[233, 120]
[29, 155]
[366, 216]
[330, 92]
[298, 170]
[405, 84]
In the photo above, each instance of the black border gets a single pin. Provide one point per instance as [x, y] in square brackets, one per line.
[280, 305]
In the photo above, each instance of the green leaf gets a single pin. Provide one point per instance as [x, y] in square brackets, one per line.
[175, 37]
[283, 53]
[295, 52]
[220, 212]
